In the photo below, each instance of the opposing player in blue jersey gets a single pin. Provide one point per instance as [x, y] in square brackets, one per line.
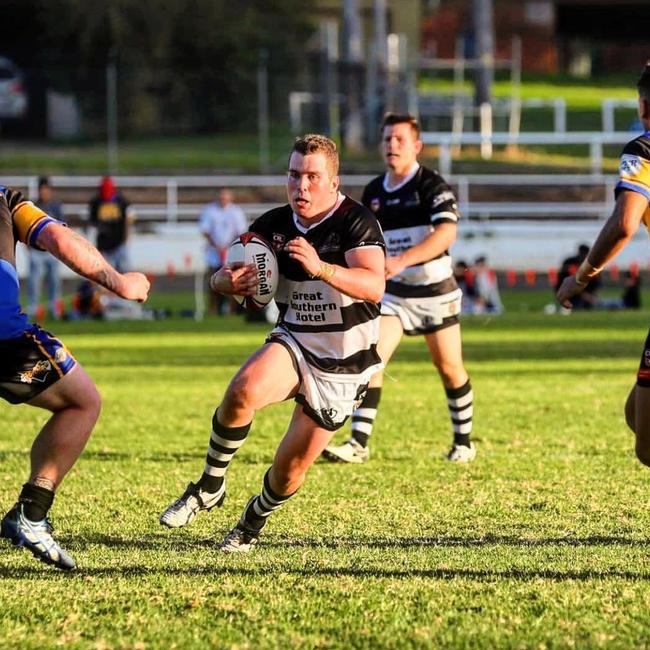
[632, 207]
[37, 369]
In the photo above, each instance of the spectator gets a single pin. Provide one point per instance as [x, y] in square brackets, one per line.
[42, 264]
[465, 280]
[221, 222]
[111, 214]
[632, 293]
[487, 299]
[588, 299]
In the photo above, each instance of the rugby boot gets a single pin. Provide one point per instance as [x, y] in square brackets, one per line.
[184, 510]
[35, 536]
[349, 452]
[461, 453]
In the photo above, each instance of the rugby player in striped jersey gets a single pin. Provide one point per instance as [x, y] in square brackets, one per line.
[418, 213]
[632, 208]
[322, 353]
[37, 369]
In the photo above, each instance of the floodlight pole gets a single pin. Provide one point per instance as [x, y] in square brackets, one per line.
[263, 109]
[352, 58]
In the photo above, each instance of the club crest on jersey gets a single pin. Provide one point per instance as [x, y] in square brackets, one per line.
[646, 357]
[630, 165]
[278, 241]
[375, 204]
[328, 416]
[412, 202]
[39, 373]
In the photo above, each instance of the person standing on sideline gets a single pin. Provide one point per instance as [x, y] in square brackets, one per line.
[418, 213]
[631, 208]
[323, 351]
[221, 222]
[41, 264]
[37, 369]
[109, 212]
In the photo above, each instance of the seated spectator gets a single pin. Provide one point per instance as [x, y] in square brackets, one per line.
[588, 299]
[486, 288]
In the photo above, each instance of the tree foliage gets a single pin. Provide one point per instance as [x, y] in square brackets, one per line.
[182, 64]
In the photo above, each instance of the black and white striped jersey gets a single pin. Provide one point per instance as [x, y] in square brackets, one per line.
[408, 214]
[336, 333]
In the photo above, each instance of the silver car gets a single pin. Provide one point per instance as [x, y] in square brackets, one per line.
[13, 98]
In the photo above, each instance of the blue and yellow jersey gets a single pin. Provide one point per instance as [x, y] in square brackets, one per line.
[634, 170]
[20, 220]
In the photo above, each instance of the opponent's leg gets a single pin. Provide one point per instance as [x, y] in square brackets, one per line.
[300, 447]
[75, 405]
[267, 377]
[446, 350]
[356, 450]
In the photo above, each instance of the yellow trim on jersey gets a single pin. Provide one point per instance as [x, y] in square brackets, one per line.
[26, 217]
[635, 171]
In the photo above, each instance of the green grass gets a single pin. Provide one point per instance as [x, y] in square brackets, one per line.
[541, 543]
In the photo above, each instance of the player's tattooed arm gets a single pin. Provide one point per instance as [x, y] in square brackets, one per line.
[77, 253]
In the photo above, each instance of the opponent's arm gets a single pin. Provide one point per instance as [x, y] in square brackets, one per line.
[77, 253]
[434, 245]
[613, 237]
[363, 280]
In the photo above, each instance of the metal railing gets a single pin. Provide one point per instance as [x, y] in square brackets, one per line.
[169, 209]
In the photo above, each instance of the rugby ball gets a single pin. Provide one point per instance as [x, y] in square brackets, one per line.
[251, 248]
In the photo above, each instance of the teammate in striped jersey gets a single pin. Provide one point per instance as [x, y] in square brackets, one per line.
[322, 353]
[37, 369]
[418, 213]
[632, 207]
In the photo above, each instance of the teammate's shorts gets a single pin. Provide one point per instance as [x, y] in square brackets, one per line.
[327, 398]
[423, 315]
[31, 363]
[643, 376]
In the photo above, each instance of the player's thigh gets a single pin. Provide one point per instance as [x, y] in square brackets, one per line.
[301, 445]
[446, 346]
[268, 376]
[76, 390]
[390, 334]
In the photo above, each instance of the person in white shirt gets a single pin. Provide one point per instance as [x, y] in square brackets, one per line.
[221, 222]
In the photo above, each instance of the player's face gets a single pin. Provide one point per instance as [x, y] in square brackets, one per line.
[400, 147]
[311, 188]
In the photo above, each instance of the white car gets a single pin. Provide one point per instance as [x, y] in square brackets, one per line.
[13, 98]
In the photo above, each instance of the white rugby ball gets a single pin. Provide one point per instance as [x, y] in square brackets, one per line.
[251, 248]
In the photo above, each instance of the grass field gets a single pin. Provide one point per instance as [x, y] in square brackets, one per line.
[541, 543]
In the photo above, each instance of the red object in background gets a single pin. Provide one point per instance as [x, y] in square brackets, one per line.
[107, 189]
[552, 276]
[171, 269]
[469, 278]
[531, 277]
[187, 260]
[614, 272]
[572, 269]
[634, 269]
[511, 277]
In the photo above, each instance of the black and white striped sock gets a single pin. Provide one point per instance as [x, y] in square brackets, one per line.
[262, 505]
[363, 418]
[224, 442]
[460, 402]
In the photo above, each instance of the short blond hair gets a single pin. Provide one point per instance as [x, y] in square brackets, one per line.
[315, 143]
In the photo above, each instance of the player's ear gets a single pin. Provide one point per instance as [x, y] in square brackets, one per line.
[418, 146]
[644, 108]
[336, 181]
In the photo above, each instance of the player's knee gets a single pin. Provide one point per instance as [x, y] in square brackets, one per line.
[451, 372]
[242, 394]
[288, 476]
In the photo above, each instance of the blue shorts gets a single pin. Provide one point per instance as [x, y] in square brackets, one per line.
[31, 363]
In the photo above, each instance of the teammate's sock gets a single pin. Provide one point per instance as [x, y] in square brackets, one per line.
[224, 442]
[36, 501]
[460, 402]
[262, 505]
[363, 418]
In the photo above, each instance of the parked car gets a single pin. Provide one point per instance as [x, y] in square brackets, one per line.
[13, 98]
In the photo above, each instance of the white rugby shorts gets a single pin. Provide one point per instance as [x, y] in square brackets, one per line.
[423, 315]
[328, 398]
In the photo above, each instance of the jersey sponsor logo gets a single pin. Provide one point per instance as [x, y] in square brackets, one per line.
[398, 245]
[443, 197]
[109, 212]
[39, 373]
[278, 241]
[332, 244]
[375, 204]
[630, 165]
[412, 202]
[312, 307]
[393, 201]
